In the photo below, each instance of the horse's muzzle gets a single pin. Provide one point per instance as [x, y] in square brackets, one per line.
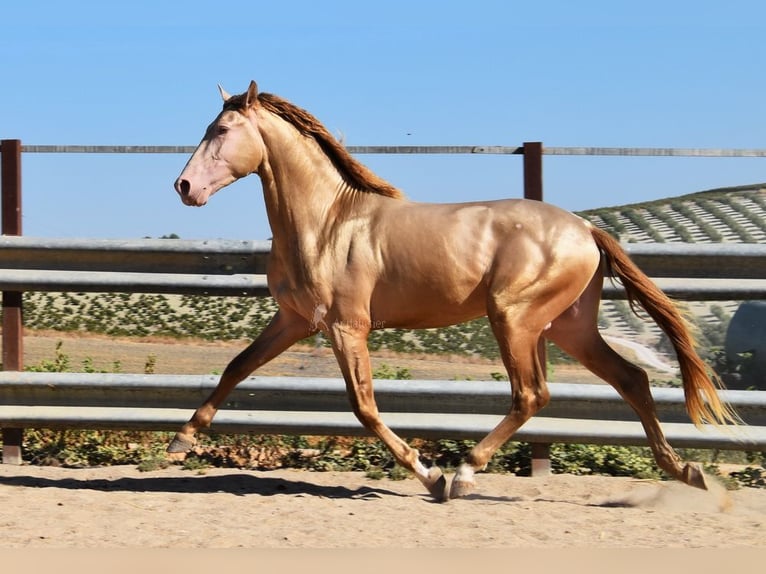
[183, 187]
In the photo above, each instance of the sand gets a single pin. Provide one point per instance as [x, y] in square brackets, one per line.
[121, 507]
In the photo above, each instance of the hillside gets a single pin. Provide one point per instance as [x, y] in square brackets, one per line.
[730, 215]
[734, 215]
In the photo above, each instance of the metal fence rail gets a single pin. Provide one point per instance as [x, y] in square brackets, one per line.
[319, 406]
[226, 267]
[218, 267]
[477, 149]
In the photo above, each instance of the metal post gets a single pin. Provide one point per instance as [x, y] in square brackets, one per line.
[533, 189]
[541, 459]
[12, 337]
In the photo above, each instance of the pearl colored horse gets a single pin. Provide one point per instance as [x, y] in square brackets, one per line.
[350, 254]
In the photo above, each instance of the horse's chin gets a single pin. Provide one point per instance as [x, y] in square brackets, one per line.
[195, 201]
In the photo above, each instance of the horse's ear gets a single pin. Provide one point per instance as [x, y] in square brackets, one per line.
[252, 95]
[224, 94]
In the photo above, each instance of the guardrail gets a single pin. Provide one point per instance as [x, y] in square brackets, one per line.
[217, 267]
[225, 267]
[422, 409]
[432, 409]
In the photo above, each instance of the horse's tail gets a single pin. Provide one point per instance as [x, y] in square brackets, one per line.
[700, 384]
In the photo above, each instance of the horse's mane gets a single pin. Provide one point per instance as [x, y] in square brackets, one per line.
[353, 172]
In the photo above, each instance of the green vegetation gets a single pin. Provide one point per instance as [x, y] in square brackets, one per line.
[661, 214]
[637, 218]
[716, 209]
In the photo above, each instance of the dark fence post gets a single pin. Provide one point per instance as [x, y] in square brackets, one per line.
[12, 338]
[533, 189]
[533, 170]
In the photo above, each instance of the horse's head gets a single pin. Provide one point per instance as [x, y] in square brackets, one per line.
[231, 149]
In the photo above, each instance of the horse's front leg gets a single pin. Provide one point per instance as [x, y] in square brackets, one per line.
[284, 329]
[349, 342]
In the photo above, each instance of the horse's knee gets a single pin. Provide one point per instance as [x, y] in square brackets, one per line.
[527, 403]
[542, 397]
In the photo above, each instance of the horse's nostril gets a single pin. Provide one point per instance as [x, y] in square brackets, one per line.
[184, 186]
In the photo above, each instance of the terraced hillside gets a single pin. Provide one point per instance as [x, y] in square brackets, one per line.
[731, 215]
[735, 215]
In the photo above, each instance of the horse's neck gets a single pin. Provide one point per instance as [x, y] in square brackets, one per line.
[300, 185]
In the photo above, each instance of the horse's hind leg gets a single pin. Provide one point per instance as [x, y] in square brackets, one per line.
[517, 339]
[284, 329]
[576, 333]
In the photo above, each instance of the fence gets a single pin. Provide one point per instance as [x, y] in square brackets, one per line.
[418, 408]
[698, 272]
[422, 409]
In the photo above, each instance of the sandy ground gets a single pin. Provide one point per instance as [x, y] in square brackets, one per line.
[117, 508]
[120, 507]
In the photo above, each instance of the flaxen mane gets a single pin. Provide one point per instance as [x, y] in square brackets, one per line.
[353, 172]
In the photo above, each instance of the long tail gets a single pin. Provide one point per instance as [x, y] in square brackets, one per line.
[700, 384]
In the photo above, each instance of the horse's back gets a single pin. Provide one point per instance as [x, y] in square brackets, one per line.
[481, 230]
[441, 262]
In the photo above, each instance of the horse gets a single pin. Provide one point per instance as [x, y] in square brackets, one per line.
[350, 254]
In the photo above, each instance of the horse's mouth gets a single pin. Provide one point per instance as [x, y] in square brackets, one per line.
[191, 202]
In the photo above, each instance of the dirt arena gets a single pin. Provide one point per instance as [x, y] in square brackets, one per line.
[120, 507]
[105, 514]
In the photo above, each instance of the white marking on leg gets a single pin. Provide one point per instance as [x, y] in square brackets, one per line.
[421, 470]
[464, 473]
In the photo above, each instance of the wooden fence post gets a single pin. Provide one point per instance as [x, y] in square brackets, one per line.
[12, 336]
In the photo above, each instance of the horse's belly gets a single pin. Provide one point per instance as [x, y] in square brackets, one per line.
[422, 308]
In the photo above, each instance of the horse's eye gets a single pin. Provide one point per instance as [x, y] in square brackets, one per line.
[222, 130]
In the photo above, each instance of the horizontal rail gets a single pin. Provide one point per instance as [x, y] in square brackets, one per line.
[654, 152]
[126, 282]
[225, 267]
[168, 266]
[329, 394]
[218, 256]
[701, 289]
[538, 430]
[418, 409]
[257, 285]
[700, 260]
[478, 149]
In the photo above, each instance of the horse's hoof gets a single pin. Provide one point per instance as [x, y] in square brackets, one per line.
[462, 483]
[180, 445]
[693, 476]
[461, 488]
[437, 484]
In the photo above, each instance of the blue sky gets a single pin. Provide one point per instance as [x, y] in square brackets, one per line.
[625, 74]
